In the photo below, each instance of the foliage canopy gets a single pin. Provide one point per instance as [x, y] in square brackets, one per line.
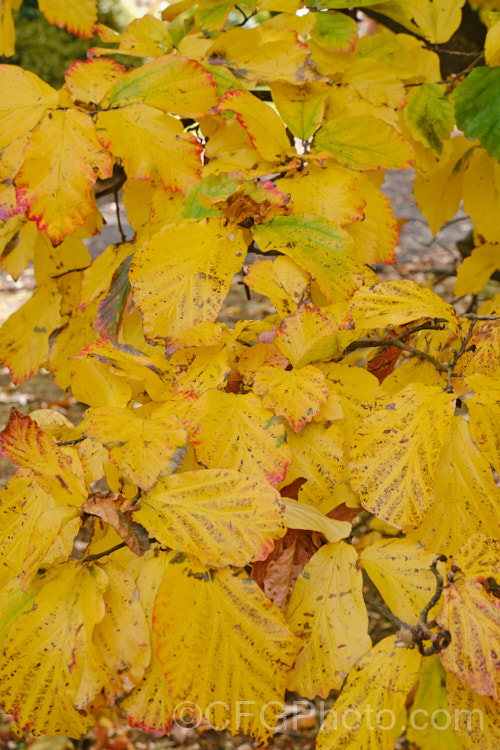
[219, 472]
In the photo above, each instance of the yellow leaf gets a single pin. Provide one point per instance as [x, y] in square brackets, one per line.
[437, 19]
[51, 539]
[467, 500]
[413, 370]
[429, 712]
[376, 235]
[171, 83]
[484, 416]
[232, 431]
[438, 191]
[401, 572]
[327, 613]
[476, 717]
[250, 646]
[24, 337]
[92, 383]
[492, 45]
[78, 16]
[23, 100]
[151, 143]
[395, 453]
[482, 193]
[375, 82]
[318, 455]
[356, 390]
[122, 636]
[55, 181]
[319, 247]
[393, 303]
[327, 191]
[142, 448]
[58, 473]
[97, 278]
[281, 280]
[220, 516]
[21, 504]
[13, 603]
[7, 29]
[49, 660]
[187, 286]
[263, 54]
[265, 129]
[484, 355]
[364, 143]
[373, 695]
[403, 54]
[197, 369]
[474, 272]
[150, 706]
[294, 394]
[308, 335]
[90, 80]
[472, 616]
[301, 516]
[300, 107]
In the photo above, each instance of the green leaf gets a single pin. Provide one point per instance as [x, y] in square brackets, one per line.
[429, 115]
[477, 107]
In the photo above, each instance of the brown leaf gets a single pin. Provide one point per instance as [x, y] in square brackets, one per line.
[342, 512]
[106, 505]
[277, 574]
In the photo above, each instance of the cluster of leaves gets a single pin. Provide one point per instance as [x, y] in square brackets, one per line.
[190, 540]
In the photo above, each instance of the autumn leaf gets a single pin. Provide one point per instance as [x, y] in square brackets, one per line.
[294, 394]
[58, 473]
[303, 516]
[106, 505]
[251, 645]
[393, 460]
[333, 636]
[378, 683]
[472, 616]
[54, 183]
[218, 515]
[89, 80]
[478, 717]
[430, 700]
[187, 286]
[78, 16]
[318, 455]
[24, 99]
[232, 431]
[143, 448]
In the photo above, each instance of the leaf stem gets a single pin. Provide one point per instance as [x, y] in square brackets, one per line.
[98, 555]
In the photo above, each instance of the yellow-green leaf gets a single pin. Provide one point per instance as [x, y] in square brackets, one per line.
[171, 83]
[220, 516]
[429, 115]
[61, 164]
[436, 19]
[376, 688]
[364, 143]
[247, 657]
[321, 248]
[429, 710]
[187, 285]
[327, 613]
[143, 448]
[301, 107]
[395, 453]
[232, 431]
[375, 82]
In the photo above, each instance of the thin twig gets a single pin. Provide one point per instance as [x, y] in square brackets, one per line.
[439, 590]
[473, 316]
[387, 613]
[98, 555]
[118, 217]
[71, 442]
